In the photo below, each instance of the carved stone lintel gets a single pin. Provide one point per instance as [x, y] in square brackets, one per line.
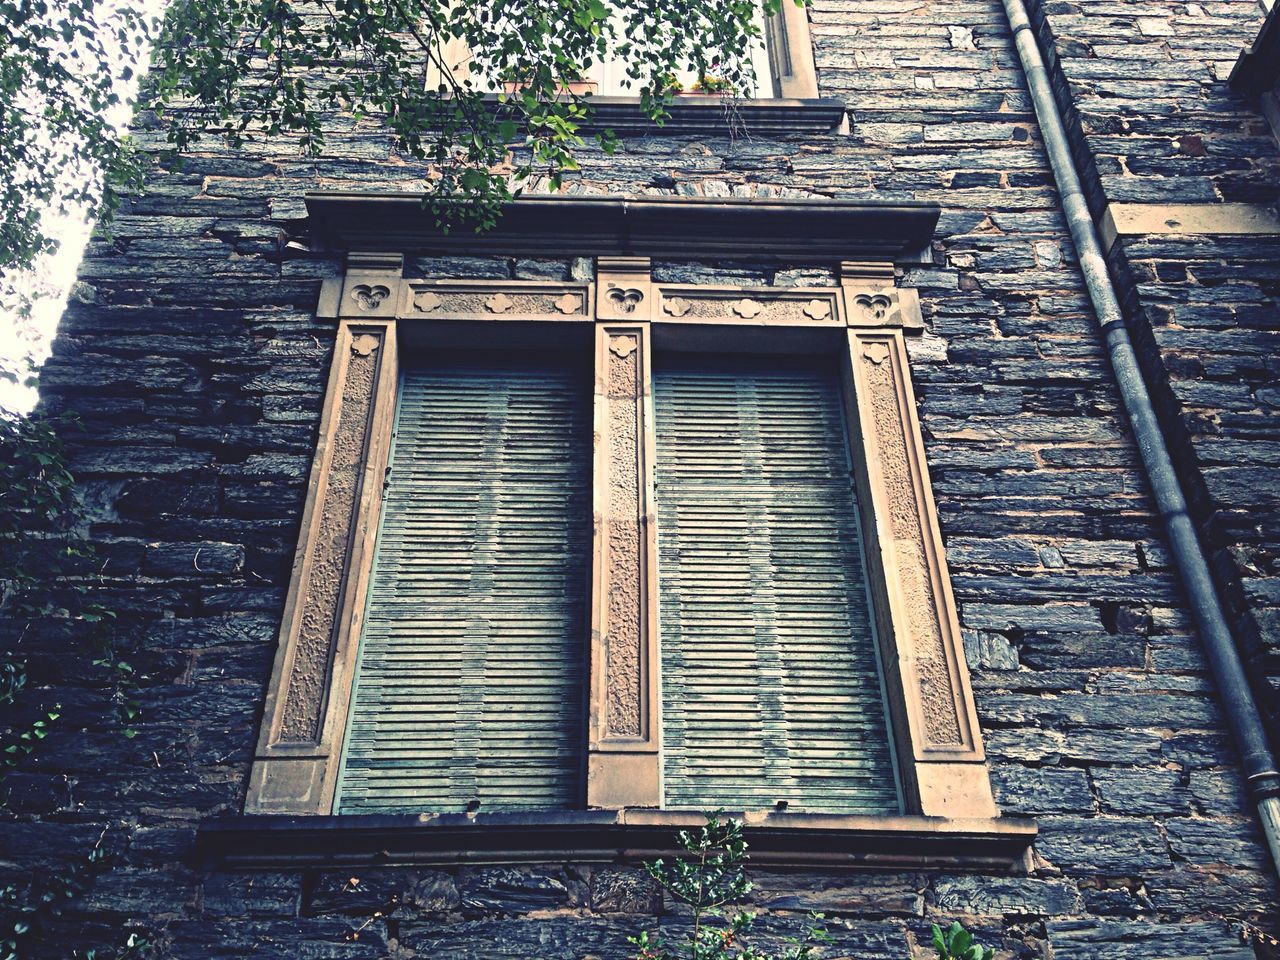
[513, 300]
[756, 306]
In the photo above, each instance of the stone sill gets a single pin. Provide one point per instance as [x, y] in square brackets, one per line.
[719, 117]
[715, 116]
[776, 839]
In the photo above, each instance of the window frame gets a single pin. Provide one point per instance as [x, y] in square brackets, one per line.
[788, 47]
[932, 719]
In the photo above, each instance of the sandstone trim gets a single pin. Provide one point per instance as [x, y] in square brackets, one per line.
[1187, 219]
[306, 704]
[622, 754]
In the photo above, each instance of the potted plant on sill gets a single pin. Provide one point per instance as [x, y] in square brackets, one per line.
[572, 86]
[708, 86]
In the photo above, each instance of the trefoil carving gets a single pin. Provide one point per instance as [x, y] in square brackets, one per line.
[877, 353]
[368, 296]
[873, 306]
[817, 309]
[625, 299]
[426, 302]
[364, 344]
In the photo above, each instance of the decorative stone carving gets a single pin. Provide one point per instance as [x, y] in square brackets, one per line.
[368, 296]
[322, 591]
[676, 306]
[625, 694]
[923, 619]
[795, 306]
[817, 309]
[362, 345]
[486, 299]
[625, 300]
[499, 303]
[424, 301]
[873, 307]
[875, 352]
[622, 347]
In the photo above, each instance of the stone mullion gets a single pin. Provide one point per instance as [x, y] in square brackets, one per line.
[305, 711]
[935, 723]
[622, 762]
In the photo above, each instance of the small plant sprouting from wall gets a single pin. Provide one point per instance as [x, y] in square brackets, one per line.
[710, 878]
[712, 881]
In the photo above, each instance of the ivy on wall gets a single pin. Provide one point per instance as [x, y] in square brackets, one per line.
[46, 564]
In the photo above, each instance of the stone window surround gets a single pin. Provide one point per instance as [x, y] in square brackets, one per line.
[865, 318]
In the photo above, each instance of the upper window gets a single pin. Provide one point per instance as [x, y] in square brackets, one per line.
[782, 62]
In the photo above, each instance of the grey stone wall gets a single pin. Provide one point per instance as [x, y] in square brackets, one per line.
[192, 354]
[1155, 121]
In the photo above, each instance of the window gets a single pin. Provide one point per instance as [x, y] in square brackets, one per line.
[655, 546]
[782, 62]
[469, 678]
[770, 688]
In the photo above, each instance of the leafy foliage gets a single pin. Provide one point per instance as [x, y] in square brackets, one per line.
[61, 67]
[711, 880]
[956, 943]
[25, 910]
[279, 71]
[44, 556]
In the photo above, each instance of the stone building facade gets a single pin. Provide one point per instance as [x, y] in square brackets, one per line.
[197, 351]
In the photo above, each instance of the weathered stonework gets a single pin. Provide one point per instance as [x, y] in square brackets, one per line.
[307, 685]
[911, 568]
[623, 716]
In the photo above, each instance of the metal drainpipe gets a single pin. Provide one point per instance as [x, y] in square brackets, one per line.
[1220, 648]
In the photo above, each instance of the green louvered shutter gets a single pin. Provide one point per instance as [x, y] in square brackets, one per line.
[471, 666]
[770, 684]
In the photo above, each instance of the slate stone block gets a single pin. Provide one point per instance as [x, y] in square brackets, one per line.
[1001, 896]
[1032, 791]
[1141, 790]
[1144, 940]
[1232, 843]
[193, 559]
[251, 894]
[514, 891]
[624, 890]
[1107, 845]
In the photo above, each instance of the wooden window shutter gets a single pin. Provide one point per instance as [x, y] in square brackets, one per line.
[771, 690]
[470, 679]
